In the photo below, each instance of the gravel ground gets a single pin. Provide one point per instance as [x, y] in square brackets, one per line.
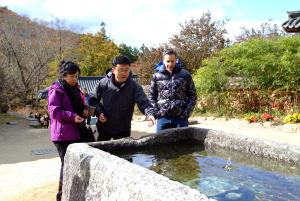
[29, 164]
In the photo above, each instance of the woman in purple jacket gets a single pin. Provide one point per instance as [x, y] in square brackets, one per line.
[67, 112]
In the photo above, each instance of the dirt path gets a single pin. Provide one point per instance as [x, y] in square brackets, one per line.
[288, 133]
[29, 166]
[45, 192]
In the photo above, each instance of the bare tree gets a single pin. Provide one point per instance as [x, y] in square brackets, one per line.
[147, 59]
[3, 86]
[266, 30]
[14, 50]
[27, 49]
[66, 41]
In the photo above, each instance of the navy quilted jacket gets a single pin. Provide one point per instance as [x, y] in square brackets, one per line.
[172, 95]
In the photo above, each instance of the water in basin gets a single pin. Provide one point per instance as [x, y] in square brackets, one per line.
[220, 174]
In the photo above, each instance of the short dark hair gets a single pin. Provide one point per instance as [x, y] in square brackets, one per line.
[170, 52]
[68, 67]
[121, 59]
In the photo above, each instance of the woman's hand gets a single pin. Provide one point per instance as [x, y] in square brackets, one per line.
[102, 118]
[78, 119]
[85, 113]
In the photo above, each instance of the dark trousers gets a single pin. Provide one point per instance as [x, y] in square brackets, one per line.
[105, 134]
[88, 120]
[61, 147]
[165, 123]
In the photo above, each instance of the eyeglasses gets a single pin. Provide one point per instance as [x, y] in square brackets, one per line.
[122, 70]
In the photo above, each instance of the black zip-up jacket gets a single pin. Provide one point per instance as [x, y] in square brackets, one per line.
[117, 104]
[172, 95]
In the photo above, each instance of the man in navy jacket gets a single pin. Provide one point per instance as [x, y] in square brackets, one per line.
[172, 93]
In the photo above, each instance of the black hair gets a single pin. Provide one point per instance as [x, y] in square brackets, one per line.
[170, 52]
[121, 59]
[68, 67]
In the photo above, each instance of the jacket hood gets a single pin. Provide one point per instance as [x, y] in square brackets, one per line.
[57, 86]
[160, 67]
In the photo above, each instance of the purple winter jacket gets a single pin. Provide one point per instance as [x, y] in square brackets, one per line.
[63, 127]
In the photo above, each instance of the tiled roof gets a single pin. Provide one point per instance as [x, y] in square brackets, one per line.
[89, 82]
[292, 25]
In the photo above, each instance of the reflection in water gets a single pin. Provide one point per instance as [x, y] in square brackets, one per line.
[228, 165]
[173, 169]
[222, 175]
[239, 194]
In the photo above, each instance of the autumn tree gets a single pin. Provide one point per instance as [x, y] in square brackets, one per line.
[199, 39]
[96, 53]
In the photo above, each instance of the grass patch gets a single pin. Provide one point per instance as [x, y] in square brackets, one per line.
[4, 117]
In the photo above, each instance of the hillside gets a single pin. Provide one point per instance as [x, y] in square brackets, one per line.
[28, 49]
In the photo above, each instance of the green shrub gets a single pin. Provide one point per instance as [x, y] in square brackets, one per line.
[262, 63]
[266, 74]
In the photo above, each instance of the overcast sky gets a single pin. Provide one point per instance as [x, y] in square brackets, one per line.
[151, 22]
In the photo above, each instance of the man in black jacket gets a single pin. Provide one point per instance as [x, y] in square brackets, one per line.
[114, 99]
[172, 93]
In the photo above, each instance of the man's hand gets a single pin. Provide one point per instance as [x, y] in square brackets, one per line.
[102, 118]
[78, 119]
[152, 121]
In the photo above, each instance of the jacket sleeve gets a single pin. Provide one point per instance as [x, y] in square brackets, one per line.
[191, 97]
[153, 94]
[55, 107]
[142, 101]
[95, 99]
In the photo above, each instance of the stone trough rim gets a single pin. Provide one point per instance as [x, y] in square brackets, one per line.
[258, 147]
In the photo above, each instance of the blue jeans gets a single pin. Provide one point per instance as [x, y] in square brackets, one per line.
[165, 123]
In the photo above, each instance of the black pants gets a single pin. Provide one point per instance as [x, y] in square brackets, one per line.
[61, 147]
[105, 134]
[88, 121]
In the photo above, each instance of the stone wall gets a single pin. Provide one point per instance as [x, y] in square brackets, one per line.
[268, 149]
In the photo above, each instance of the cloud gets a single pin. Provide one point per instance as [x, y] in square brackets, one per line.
[18, 3]
[126, 21]
[133, 22]
[149, 22]
[234, 27]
